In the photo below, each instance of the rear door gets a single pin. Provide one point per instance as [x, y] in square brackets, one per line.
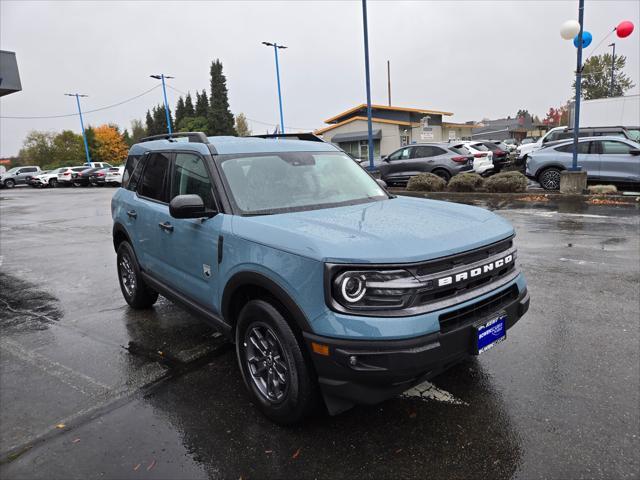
[588, 157]
[428, 157]
[616, 162]
[191, 248]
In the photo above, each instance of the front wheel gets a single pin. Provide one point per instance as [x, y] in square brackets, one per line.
[134, 289]
[273, 365]
[53, 183]
[550, 179]
[9, 183]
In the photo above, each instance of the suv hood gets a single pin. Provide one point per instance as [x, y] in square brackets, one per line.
[401, 230]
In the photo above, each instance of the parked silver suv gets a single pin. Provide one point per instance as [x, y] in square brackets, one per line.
[18, 176]
[605, 159]
[442, 159]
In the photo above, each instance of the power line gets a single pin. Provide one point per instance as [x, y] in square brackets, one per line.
[87, 111]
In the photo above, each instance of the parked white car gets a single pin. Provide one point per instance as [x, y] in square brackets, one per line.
[65, 175]
[527, 148]
[482, 157]
[47, 179]
[113, 176]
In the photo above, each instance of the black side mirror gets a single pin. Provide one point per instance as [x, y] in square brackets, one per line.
[382, 183]
[385, 158]
[635, 151]
[189, 206]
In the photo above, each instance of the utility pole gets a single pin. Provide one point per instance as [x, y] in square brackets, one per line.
[613, 67]
[84, 135]
[162, 77]
[368, 81]
[389, 80]
[276, 47]
[576, 120]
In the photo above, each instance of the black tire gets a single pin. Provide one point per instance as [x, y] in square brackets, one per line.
[549, 178]
[134, 290]
[9, 183]
[277, 360]
[53, 182]
[443, 174]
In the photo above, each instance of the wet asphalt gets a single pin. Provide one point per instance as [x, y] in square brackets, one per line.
[92, 389]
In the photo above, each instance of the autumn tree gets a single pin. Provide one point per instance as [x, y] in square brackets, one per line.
[596, 77]
[111, 148]
[242, 127]
[221, 121]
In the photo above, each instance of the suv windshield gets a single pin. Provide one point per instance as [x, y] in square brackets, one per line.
[294, 181]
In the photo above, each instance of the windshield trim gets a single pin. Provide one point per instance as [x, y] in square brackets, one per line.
[236, 210]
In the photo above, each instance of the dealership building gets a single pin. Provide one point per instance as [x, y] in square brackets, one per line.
[393, 127]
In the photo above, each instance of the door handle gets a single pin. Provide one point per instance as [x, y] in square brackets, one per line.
[166, 226]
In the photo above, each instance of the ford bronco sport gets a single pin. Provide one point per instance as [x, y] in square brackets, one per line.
[331, 288]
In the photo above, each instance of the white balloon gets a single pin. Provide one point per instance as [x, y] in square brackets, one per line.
[569, 29]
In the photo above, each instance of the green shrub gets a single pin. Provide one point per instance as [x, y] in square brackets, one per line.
[426, 182]
[506, 182]
[602, 189]
[465, 182]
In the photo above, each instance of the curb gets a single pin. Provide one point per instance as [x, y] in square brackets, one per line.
[524, 196]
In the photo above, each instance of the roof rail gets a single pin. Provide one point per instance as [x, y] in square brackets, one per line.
[194, 137]
[309, 137]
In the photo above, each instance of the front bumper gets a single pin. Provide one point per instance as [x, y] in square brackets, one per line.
[370, 371]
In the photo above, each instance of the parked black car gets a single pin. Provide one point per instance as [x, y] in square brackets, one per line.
[500, 155]
[97, 178]
[81, 179]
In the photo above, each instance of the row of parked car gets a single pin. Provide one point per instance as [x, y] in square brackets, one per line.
[446, 159]
[93, 174]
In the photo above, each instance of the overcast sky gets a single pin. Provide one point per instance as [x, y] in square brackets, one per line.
[476, 59]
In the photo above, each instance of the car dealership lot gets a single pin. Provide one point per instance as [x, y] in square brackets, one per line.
[90, 388]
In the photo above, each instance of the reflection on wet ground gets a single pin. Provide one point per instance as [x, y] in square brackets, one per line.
[157, 394]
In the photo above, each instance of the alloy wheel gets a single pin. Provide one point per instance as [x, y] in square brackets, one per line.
[266, 362]
[127, 275]
[550, 180]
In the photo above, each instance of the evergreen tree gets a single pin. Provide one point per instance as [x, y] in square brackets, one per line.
[180, 114]
[90, 133]
[202, 104]
[221, 121]
[137, 131]
[149, 123]
[126, 137]
[189, 111]
[157, 121]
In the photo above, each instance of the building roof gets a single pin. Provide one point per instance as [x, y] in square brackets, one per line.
[353, 119]
[337, 118]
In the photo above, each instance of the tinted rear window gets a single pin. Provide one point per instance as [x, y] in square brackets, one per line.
[154, 177]
[132, 162]
[459, 150]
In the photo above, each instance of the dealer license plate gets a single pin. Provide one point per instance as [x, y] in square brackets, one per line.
[490, 333]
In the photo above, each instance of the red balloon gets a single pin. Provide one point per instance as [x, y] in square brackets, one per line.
[624, 29]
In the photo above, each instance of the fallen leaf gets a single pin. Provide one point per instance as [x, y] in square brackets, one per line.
[136, 467]
[268, 451]
[60, 425]
[75, 440]
[296, 454]
[398, 450]
[151, 465]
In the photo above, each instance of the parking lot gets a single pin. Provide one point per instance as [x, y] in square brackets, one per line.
[92, 389]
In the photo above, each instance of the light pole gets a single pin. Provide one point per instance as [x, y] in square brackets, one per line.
[162, 76]
[368, 82]
[84, 135]
[576, 120]
[276, 47]
[613, 67]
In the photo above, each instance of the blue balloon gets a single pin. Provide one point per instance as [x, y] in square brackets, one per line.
[586, 39]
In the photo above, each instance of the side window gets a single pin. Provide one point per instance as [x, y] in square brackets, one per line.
[583, 147]
[611, 147]
[153, 182]
[401, 154]
[190, 176]
[132, 171]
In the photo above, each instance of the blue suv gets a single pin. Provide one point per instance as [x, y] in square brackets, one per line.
[332, 289]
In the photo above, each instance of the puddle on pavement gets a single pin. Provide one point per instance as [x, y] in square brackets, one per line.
[25, 307]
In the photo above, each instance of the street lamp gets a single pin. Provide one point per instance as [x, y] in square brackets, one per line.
[613, 66]
[84, 135]
[276, 47]
[368, 82]
[162, 77]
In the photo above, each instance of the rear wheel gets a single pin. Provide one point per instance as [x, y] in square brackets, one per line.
[134, 289]
[550, 179]
[443, 174]
[273, 365]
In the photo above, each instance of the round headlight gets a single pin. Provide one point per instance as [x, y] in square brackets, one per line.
[353, 288]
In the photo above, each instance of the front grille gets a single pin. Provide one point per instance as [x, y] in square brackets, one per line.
[463, 316]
